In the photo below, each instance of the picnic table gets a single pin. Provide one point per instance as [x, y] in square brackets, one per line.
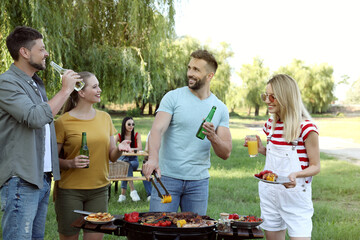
[128, 178]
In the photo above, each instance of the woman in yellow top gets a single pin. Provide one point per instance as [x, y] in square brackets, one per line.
[84, 188]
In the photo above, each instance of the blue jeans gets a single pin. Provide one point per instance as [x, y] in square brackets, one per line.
[134, 164]
[25, 208]
[147, 186]
[189, 195]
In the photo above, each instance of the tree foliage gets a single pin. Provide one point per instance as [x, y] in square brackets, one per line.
[254, 77]
[116, 40]
[130, 45]
[353, 94]
[315, 82]
[221, 82]
[234, 97]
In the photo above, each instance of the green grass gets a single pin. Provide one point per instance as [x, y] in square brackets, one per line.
[336, 194]
[340, 127]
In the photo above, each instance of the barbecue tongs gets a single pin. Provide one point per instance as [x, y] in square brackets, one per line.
[164, 198]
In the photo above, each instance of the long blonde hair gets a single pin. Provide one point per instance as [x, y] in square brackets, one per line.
[292, 110]
[72, 101]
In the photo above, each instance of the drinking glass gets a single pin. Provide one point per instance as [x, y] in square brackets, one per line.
[252, 145]
[78, 86]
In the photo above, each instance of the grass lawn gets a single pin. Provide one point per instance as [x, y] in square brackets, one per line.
[336, 193]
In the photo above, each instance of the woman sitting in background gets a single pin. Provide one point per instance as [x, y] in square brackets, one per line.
[128, 133]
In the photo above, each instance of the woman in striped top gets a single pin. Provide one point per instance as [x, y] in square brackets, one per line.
[292, 150]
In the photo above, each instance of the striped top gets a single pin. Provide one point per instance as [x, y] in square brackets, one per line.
[277, 138]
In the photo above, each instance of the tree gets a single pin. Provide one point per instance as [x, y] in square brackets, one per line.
[221, 81]
[116, 40]
[315, 82]
[254, 79]
[353, 96]
[234, 97]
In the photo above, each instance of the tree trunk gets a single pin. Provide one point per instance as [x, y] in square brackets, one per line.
[156, 107]
[150, 109]
[143, 107]
[249, 112]
[257, 110]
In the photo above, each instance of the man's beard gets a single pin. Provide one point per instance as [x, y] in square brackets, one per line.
[36, 65]
[198, 83]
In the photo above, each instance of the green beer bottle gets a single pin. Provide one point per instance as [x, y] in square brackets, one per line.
[200, 133]
[84, 150]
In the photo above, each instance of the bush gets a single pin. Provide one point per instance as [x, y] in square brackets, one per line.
[134, 112]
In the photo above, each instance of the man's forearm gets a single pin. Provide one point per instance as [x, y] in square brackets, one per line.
[58, 101]
[222, 148]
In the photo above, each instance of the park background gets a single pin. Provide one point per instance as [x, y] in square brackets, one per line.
[139, 50]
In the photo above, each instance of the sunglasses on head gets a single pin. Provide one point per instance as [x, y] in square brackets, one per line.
[271, 97]
[131, 124]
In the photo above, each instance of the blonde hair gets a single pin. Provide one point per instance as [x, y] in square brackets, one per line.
[72, 101]
[292, 110]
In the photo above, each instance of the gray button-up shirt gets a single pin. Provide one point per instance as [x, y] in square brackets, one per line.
[23, 116]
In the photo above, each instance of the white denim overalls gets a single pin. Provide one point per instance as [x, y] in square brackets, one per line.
[282, 207]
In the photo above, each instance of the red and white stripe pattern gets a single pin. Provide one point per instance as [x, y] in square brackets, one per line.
[277, 138]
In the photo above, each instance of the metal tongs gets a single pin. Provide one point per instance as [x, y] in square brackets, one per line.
[164, 198]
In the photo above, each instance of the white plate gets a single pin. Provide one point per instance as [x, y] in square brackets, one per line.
[99, 222]
[279, 180]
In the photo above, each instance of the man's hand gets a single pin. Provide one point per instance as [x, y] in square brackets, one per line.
[149, 167]
[69, 80]
[210, 130]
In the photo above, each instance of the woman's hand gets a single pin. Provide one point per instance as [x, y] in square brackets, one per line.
[124, 146]
[80, 161]
[261, 148]
[292, 176]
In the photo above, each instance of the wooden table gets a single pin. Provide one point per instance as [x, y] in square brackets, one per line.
[109, 228]
[139, 178]
[138, 153]
[241, 233]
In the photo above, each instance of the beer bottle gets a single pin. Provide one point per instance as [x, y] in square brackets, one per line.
[84, 150]
[78, 86]
[209, 117]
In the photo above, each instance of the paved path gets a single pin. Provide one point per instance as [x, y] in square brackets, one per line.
[343, 149]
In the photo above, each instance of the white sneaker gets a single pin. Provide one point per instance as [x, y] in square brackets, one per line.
[134, 196]
[148, 198]
[121, 198]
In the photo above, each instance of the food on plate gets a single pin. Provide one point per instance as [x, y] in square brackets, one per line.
[267, 175]
[166, 199]
[182, 219]
[99, 217]
[270, 177]
[234, 216]
[248, 218]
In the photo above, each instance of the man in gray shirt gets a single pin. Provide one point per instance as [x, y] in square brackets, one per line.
[28, 152]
